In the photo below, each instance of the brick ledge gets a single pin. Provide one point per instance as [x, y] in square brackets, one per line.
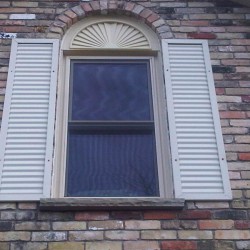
[66, 204]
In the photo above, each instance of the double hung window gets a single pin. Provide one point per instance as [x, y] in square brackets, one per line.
[111, 133]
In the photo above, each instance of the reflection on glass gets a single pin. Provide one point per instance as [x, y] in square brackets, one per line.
[110, 91]
[111, 148]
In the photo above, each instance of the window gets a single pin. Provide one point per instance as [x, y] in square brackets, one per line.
[184, 153]
[117, 142]
[111, 141]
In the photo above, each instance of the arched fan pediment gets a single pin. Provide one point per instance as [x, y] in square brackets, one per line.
[110, 34]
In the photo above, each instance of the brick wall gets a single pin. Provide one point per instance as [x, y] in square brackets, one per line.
[201, 225]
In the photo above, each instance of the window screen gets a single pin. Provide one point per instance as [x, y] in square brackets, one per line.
[111, 143]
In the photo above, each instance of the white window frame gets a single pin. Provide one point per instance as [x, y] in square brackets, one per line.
[160, 121]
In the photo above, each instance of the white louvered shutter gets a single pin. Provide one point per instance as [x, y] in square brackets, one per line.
[28, 120]
[198, 156]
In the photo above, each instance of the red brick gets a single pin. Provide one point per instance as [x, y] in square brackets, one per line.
[13, 10]
[201, 35]
[195, 214]
[195, 23]
[246, 98]
[95, 5]
[146, 13]
[126, 215]
[242, 224]
[212, 29]
[216, 224]
[178, 245]
[71, 15]
[160, 215]
[245, 83]
[12, 22]
[2, 84]
[220, 91]
[244, 156]
[18, 29]
[92, 216]
[60, 24]
[3, 76]
[66, 20]
[129, 6]
[112, 5]
[232, 114]
[152, 18]
[86, 7]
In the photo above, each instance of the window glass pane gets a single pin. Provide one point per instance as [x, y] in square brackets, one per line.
[110, 90]
[118, 164]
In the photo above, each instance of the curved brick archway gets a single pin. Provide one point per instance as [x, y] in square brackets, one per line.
[105, 7]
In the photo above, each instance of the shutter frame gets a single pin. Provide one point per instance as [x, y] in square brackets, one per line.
[47, 166]
[179, 191]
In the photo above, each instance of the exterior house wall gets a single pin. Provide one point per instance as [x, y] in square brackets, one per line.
[222, 225]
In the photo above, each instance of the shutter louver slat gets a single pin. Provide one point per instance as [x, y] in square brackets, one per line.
[199, 165]
[27, 124]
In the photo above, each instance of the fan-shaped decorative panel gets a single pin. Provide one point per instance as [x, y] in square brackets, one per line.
[113, 35]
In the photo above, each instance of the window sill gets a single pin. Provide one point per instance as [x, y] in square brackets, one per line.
[67, 204]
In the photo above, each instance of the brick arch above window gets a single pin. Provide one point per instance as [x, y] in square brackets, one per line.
[103, 8]
[110, 32]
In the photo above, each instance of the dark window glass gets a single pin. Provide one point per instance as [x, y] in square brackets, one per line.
[111, 143]
[110, 91]
[114, 165]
